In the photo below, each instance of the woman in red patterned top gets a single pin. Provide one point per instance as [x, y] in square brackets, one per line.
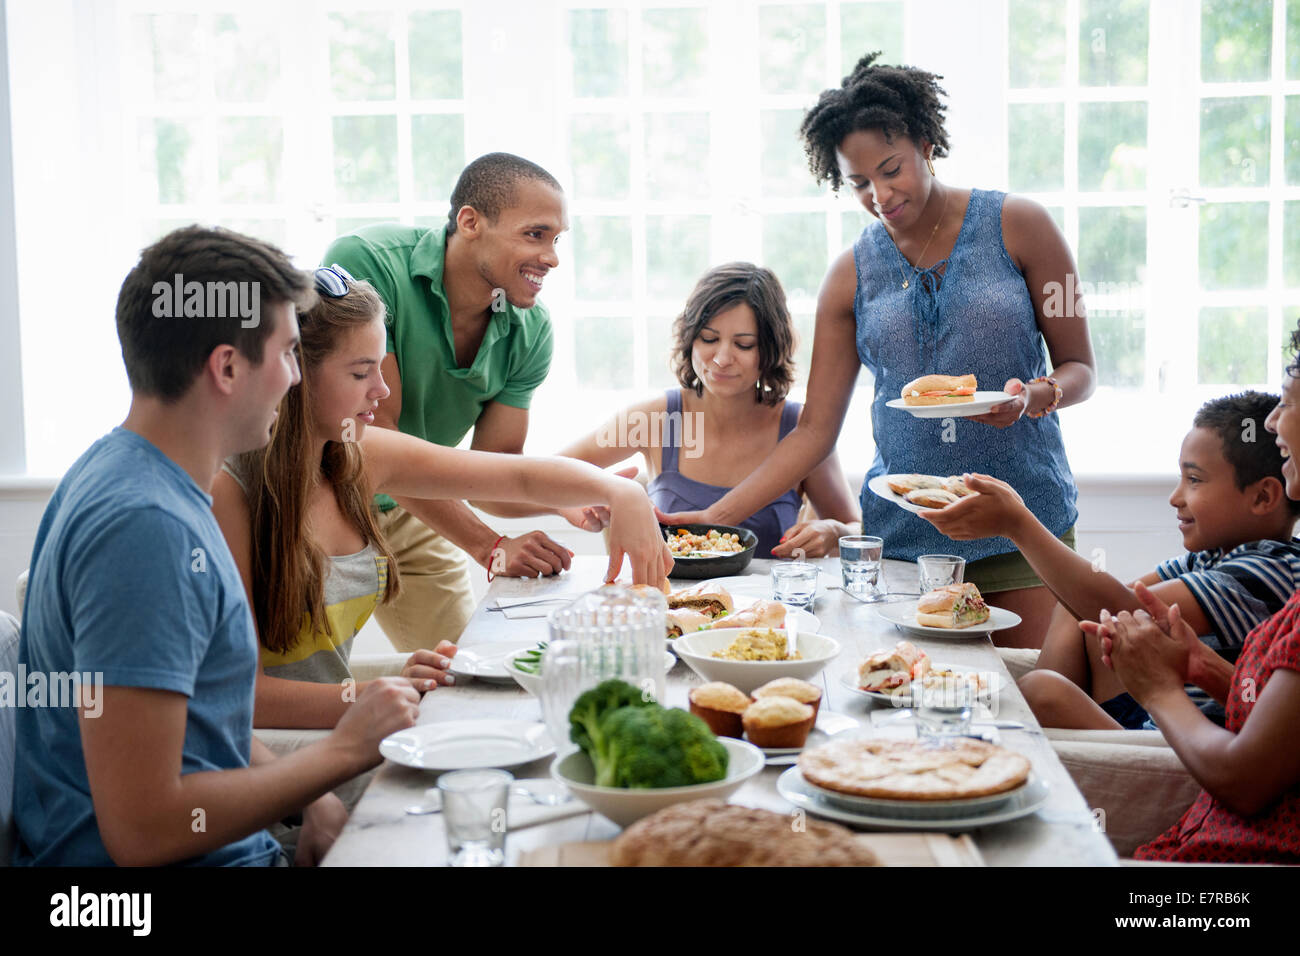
[1249, 811]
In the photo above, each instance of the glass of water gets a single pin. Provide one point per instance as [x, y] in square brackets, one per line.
[860, 565]
[794, 583]
[943, 710]
[938, 570]
[474, 812]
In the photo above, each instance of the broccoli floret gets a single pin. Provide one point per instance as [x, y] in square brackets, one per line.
[658, 747]
[594, 705]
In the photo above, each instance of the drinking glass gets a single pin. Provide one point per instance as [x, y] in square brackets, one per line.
[610, 632]
[860, 565]
[794, 583]
[474, 812]
[938, 570]
[943, 710]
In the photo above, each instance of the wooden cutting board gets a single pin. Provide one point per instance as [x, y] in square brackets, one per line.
[893, 849]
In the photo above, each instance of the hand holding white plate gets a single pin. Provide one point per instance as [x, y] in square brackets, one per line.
[982, 402]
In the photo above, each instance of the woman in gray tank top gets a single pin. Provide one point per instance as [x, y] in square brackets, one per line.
[947, 281]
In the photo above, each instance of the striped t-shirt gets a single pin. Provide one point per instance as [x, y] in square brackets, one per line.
[1238, 589]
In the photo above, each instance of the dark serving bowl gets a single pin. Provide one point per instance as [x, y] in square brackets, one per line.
[719, 567]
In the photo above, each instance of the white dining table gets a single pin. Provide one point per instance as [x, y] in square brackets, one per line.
[381, 833]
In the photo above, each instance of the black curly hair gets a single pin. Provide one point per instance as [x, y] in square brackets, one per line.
[896, 99]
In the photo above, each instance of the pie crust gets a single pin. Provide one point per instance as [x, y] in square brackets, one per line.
[913, 770]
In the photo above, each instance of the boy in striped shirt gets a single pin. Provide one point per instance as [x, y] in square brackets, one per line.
[1241, 567]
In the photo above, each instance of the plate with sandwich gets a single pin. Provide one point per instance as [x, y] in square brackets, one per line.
[946, 396]
[710, 606]
[892, 674]
[955, 610]
[917, 493]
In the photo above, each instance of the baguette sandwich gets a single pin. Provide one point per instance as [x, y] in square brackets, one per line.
[932, 497]
[953, 606]
[759, 614]
[686, 621]
[939, 390]
[902, 484]
[705, 598]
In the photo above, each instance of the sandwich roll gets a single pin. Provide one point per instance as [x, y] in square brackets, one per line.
[952, 606]
[759, 614]
[932, 497]
[939, 390]
[902, 484]
[893, 667]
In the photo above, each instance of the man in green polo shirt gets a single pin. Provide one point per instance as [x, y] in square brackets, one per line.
[468, 342]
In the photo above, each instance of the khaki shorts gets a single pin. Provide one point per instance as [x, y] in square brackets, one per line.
[436, 599]
[1007, 572]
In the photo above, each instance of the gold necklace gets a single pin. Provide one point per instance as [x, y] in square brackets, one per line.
[921, 258]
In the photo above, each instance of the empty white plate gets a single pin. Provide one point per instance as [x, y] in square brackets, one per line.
[468, 744]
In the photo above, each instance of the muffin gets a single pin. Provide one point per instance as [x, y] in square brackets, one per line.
[720, 705]
[800, 690]
[778, 722]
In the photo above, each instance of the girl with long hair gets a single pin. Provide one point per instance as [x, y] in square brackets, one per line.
[299, 519]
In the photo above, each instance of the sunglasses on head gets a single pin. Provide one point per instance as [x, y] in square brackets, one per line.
[333, 281]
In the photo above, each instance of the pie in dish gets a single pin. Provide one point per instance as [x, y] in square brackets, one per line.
[713, 833]
[952, 606]
[912, 770]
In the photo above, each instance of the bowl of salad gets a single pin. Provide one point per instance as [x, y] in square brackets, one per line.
[709, 550]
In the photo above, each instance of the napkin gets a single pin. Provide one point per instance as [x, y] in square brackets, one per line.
[510, 607]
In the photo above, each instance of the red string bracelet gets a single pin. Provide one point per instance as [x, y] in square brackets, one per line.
[491, 554]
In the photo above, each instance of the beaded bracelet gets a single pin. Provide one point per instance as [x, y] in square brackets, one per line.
[1056, 399]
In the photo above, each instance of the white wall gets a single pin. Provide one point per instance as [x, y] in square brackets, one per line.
[1128, 519]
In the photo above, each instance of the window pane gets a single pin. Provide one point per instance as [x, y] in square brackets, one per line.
[151, 230]
[1112, 146]
[1113, 42]
[170, 161]
[166, 61]
[677, 147]
[365, 158]
[1119, 343]
[1236, 40]
[791, 48]
[598, 39]
[659, 335]
[249, 153]
[435, 45]
[1291, 244]
[246, 59]
[1234, 245]
[1234, 141]
[1112, 247]
[677, 254]
[851, 226]
[438, 153]
[1058, 216]
[1232, 346]
[675, 52]
[1291, 144]
[599, 154]
[602, 352]
[784, 165]
[867, 27]
[1293, 40]
[794, 247]
[363, 58]
[1040, 166]
[273, 231]
[1036, 42]
[345, 225]
[602, 255]
[804, 324]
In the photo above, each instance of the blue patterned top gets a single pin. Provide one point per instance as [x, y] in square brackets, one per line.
[979, 319]
[671, 491]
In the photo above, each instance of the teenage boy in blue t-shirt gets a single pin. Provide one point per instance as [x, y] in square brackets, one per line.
[1241, 567]
[132, 584]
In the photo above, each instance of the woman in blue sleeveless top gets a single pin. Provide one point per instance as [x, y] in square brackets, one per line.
[733, 354]
[948, 281]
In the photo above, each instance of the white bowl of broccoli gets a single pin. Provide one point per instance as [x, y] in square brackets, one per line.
[626, 806]
[637, 757]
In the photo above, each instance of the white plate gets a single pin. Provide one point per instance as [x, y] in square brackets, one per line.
[902, 697]
[533, 682]
[915, 809]
[488, 662]
[904, 616]
[983, 401]
[1028, 799]
[880, 486]
[468, 744]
